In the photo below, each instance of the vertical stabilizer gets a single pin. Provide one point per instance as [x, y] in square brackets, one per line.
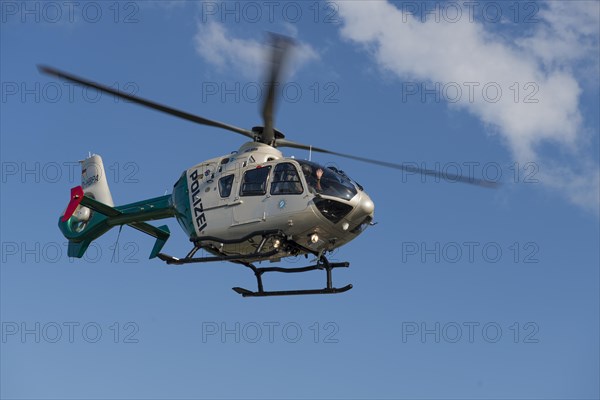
[94, 180]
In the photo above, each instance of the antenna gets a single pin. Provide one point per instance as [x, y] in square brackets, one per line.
[116, 245]
[310, 153]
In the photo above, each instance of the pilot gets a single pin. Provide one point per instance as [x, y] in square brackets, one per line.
[319, 174]
[313, 180]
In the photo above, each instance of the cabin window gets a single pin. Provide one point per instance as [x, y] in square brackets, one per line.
[225, 184]
[255, 182]
[286, 180]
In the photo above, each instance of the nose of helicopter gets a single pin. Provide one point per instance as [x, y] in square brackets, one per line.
[366, 205]
[362, 215]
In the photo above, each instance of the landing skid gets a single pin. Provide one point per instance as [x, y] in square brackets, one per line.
[322, 264]
[248, 293]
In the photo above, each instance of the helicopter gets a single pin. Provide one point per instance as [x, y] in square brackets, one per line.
[246, 207]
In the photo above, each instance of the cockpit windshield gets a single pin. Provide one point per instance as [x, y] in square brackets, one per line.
[325, 181]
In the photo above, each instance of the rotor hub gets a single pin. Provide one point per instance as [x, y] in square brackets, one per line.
[258, 131]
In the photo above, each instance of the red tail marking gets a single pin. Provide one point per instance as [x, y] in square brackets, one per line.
[76, 197]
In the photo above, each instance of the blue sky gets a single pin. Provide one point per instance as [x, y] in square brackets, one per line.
[459, 291]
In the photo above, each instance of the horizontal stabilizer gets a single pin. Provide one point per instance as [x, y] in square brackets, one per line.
[100, 207]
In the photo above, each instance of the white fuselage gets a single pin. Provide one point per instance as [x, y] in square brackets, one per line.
[257, 190]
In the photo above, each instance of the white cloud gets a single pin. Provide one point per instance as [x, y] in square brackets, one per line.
[568, 32]
[247, 57]
[467, 51]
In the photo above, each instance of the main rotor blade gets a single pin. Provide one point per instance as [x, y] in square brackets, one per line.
[281, 45]
[404, 167]
[146, 103]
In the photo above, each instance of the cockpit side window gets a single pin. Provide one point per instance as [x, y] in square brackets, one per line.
[286, 180]
[255, 182]
[225, 184]
[327, 182]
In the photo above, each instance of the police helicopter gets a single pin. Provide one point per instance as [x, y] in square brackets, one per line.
[246, 207]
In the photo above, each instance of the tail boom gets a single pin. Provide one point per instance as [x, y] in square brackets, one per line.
[80, 234]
